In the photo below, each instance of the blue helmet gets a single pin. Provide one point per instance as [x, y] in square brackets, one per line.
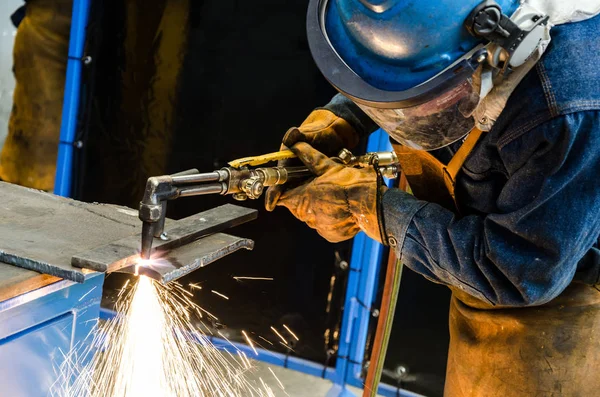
[411, 63]
[392, 45]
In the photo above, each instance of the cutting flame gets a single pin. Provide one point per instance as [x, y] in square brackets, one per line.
[152, 349]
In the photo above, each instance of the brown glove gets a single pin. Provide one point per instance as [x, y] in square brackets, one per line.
[339, 202]
[324, 131]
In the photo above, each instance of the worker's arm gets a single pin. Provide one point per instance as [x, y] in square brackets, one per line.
[548, 218]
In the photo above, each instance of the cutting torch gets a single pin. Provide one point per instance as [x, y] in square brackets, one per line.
[238, 180]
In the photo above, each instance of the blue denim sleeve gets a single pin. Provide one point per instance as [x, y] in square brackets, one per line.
[548, 217]
[343, 107]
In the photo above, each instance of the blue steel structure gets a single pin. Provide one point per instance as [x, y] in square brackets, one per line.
[70, 113]
[364, 267]
[39, 327]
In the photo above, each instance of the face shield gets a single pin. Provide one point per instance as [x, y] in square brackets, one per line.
[433, 124]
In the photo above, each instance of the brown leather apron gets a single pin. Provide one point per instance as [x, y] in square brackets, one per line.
[548, 350]
[40, 52]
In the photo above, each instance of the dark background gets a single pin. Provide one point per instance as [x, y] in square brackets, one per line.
[243, 77]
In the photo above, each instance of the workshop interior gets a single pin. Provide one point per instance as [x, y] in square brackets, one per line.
[171, 123]
[193, 85]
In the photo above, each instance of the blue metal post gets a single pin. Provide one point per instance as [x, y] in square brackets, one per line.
[371, 260]
[64, 161]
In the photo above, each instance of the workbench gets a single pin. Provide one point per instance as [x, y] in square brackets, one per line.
[53, 255]
[41, 316]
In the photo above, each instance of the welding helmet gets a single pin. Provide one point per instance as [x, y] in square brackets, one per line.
[414, 66]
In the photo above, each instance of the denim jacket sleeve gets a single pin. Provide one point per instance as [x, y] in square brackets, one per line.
[548, 217]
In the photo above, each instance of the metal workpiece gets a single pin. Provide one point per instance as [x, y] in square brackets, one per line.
[181, 261]
[125, 252]
[40, 231]
[65, 238]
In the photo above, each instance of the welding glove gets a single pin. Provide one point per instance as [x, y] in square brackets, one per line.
[324, 131]
[339, 202]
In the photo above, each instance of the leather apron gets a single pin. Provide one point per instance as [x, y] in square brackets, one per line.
[548, 350]
[28, 157]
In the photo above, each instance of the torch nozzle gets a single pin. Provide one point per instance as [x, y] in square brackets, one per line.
[147, 239]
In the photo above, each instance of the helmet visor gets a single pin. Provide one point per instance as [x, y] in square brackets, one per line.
[433, 124]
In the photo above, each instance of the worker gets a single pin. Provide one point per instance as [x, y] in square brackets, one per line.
[494, 112]
[40, 52]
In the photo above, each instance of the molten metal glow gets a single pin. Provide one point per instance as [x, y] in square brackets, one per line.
[152, 349]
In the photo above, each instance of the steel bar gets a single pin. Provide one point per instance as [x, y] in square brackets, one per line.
[184, 260]
[119, 254]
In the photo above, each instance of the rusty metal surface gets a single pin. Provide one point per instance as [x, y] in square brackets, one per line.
[119, 254]
[183, 260]
[43, 232]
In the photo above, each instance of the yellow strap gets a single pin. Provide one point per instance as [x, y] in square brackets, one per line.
[457, 161]
[262, 159]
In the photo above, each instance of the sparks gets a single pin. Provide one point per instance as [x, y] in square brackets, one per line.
[276, 378]
[209, 313]
[123, 288]
[250, 342]
[194, 286]
[278, 334]
[290, 331]
[266, 340]
[253, 278]
[219, 294]
[151, 348]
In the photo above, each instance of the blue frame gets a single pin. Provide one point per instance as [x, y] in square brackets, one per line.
[364, 267]
[71, 100]
[37, 328]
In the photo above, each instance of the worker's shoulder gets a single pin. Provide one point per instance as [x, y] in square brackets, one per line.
[566, 80]
[569, 70]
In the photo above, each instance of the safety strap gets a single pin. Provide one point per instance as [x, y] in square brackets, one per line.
[451, 170]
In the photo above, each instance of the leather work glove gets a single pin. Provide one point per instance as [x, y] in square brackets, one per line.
[339, 202]
[324, 131]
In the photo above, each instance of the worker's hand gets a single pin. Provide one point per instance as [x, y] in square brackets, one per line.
[324, 131]
[339, 202]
